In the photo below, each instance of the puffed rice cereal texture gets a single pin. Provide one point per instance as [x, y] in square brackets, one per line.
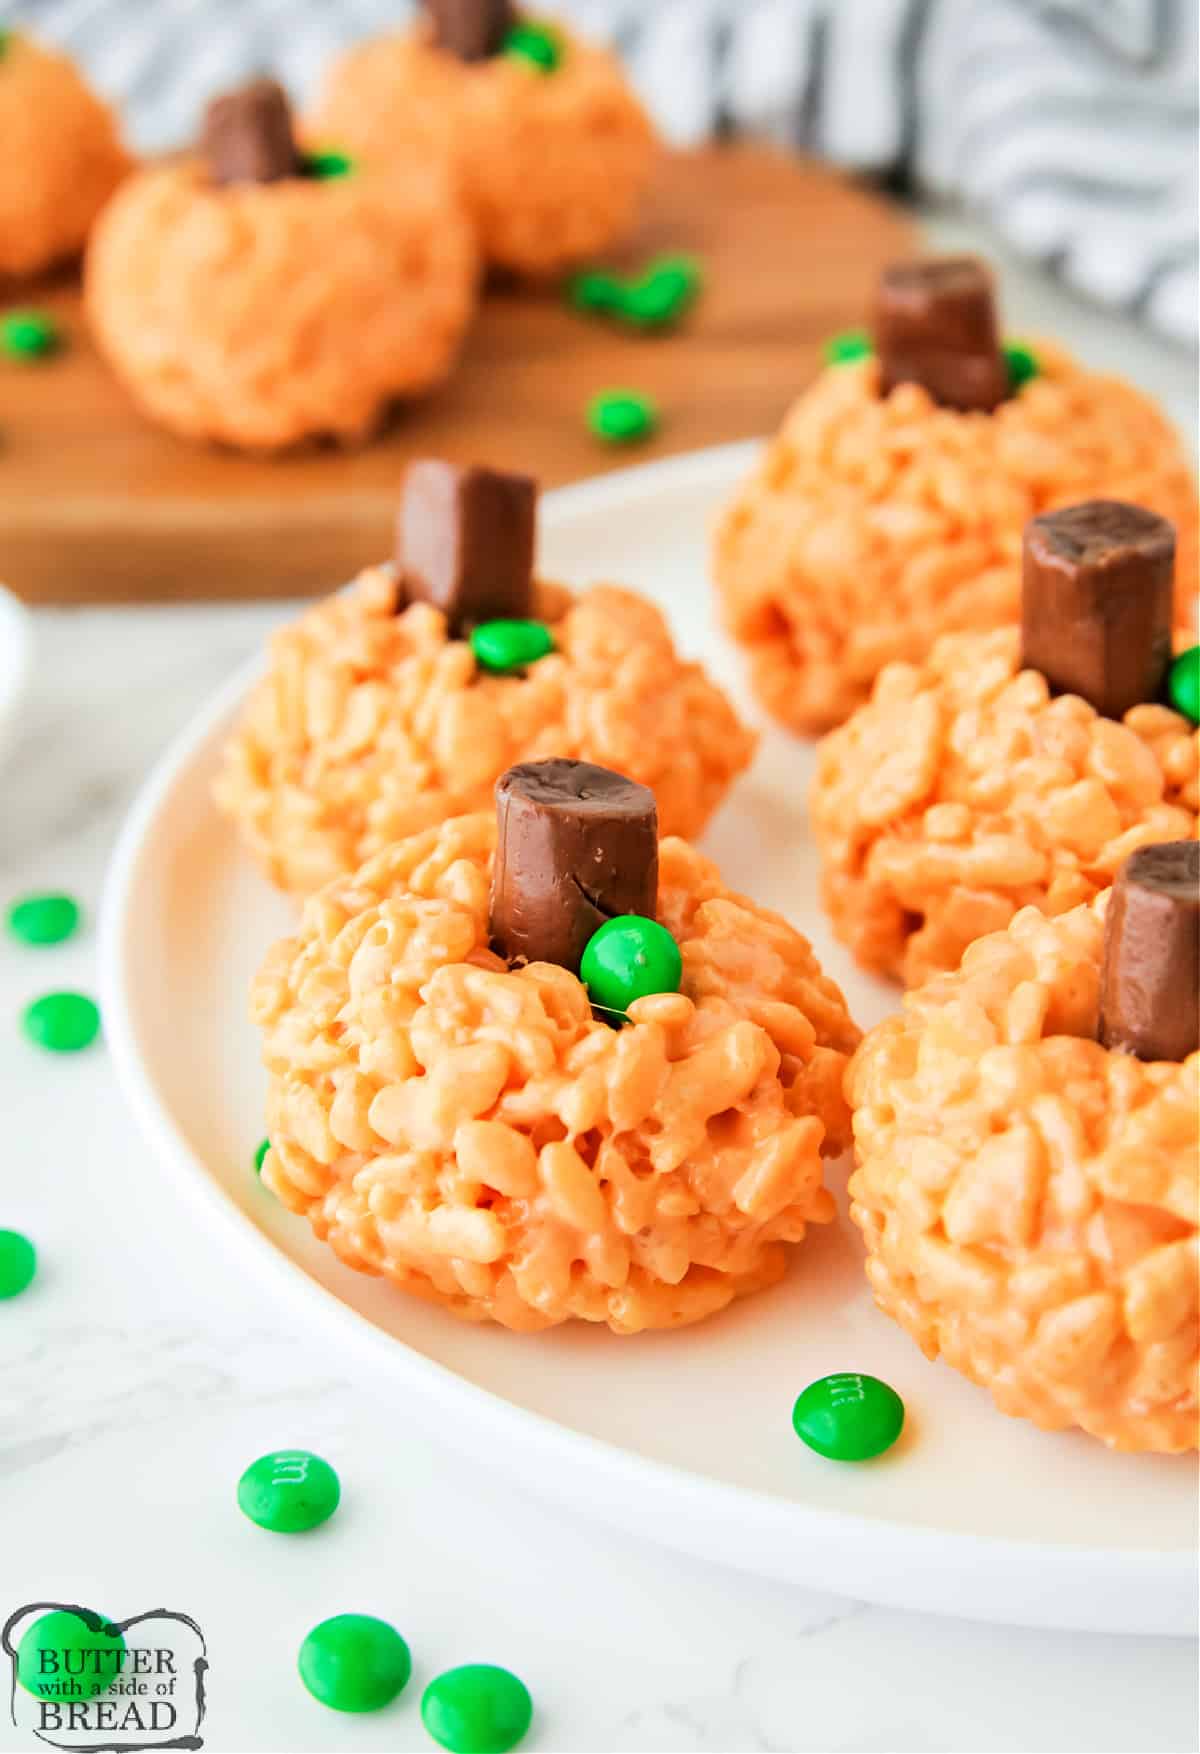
[370, 726]
[62, 157]
[874, 524]
[1028, 1197]
[263, 315]
[476, 1136]
[962, 793]
[553, 165]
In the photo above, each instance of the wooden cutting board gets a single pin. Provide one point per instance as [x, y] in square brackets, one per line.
[98, 506]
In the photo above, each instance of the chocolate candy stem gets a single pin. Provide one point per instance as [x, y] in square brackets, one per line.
[1150, 981]
[470, 29]
[935, 325]
[248, 135]
[1096, 602]
[465, 541]
[577, 845]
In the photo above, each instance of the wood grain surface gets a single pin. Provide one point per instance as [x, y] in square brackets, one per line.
[97, 505]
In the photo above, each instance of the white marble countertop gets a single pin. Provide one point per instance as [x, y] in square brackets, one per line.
[136, 1381]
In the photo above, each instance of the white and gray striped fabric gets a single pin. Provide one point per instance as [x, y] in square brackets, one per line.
[1070, 124]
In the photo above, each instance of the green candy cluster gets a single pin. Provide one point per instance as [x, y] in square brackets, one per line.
[537, 44]
[848, 1417]
[28, 335]
[63, 1023]
[506, 645]
[477, 1709]
[43, 919]
[18, 1263]
[622, 417]
[354, 1662]
[289, 1491]
[1183, 684]
[627, 959]
[83, 1645]
[653, 299]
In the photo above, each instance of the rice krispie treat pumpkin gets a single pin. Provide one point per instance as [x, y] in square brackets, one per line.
[447, 1108]
[398, 703]
[1028, 1192]
[259, 297]
[1015, 768]
[553, 149]
[889, 508]
[62, 157]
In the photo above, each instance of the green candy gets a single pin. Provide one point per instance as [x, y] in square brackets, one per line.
[1183, 684]
[1022, 364]
[63, 1023]
[628, 958]
[289, 1491]
[18, 1263]
[595, 289]
[504, 646]
[43, 919]
[327, 165]
[664, 292]
[28, 335]
[477, 1709]
[260, 1156]
[354, 1663]
[850, 345]
[535, 43]
[81, 1645]
[848, 1417]
[622, 417]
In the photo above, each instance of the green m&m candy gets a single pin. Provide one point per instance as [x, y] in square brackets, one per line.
[477, 1709]
[506, 645]
[18, 1263]
[1022, 364]
[289, 1491]
[354, 1662]
[63, 1023]
[1183, 684]
[535, 43]
[43, 919]
[848, 1417]
[28, 335]
[664, 292]
[622, 417]
[627, 959]
[851, 344]
[325, 166]
[260, 1156]
[69, 1644]
[595, 289]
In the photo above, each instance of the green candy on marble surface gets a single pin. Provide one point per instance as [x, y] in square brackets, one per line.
[477, 1709]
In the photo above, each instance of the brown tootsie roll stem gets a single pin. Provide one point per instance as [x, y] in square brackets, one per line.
[576, 845]
[1150, 980]
[1096, 602]
[465, 542]
[470, 29]
[247, 136]
[935, 325]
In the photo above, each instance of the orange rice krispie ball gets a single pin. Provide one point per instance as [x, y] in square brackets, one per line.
[1028, 1197]
[875, 522]
[260, 312]
[474, 1134]
[963, 792]
[553, 161]
[370, 725]
[62, 156]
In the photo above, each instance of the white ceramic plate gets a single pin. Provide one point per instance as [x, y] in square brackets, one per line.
[683, 1438]
[16, 657]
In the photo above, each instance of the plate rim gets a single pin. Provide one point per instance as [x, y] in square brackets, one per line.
[1133, 1590]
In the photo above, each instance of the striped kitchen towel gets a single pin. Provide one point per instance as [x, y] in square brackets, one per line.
[1071, 124]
